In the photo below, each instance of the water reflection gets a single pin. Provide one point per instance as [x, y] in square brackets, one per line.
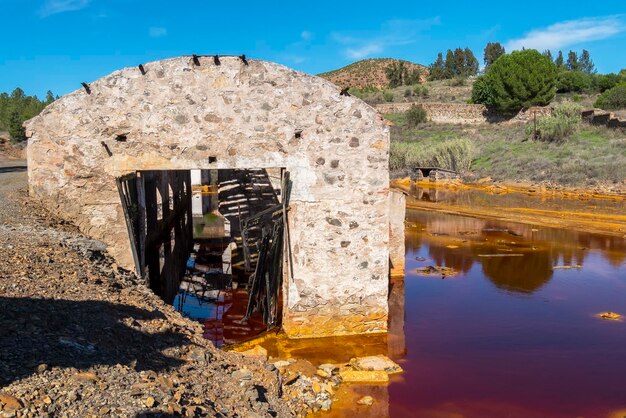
[503, 335]
[518, 257]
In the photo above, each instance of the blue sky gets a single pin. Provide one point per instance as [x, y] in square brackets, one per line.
[56, 44]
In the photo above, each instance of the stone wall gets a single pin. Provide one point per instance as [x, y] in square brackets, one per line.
[466, 114]
[181, 114]
[600, 117]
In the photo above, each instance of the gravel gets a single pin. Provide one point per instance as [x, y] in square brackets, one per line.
[80, 337]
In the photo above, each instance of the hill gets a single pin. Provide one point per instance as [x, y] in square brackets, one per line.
[369, 73]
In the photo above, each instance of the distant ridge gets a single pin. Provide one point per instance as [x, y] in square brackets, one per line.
[368, 73]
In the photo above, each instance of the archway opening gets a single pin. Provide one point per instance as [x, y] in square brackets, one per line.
[211, 242]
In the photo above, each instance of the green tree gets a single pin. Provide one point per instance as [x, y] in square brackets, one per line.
[437, 69]
[572, 61]
[482, 92]
[574, 81]
[471, 63]
[613, 99]
[49, 97]
[559, 61]
[520, 80]
[548, 54]
[395, 74]
[16, 130]
[604, 82]
[17, 94]
[585, 63]
[450, 70]
[459, 62]
[493, 50]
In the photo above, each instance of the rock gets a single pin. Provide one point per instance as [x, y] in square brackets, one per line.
[317, 388]
[281, 363]
[149, 402]
[365, 400]
[376, 363]
[325, 404]
[42, 367]
[9, 403]
[322, 373]
[364, 376]
[610, 316]
[86, 376]
[329, 368]
[304, 367]
[47, 400]
[242, 374]
[256, 352]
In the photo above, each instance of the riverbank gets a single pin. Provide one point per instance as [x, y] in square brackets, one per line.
[81, 337]
[590, 210]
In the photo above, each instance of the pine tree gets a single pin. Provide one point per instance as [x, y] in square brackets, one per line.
[585, 63]
[49, 97]
[471, 63]
[17, 94]
[493, 50]
[559, 62]
[548, 54]
[459, 62]
[572, 61]
[450, 68]
[16, 130]
[437, 68]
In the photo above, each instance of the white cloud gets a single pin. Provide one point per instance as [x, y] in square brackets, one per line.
[157, 32]
[365, 50]
[391, 33]
[571, 32]
[52, 7]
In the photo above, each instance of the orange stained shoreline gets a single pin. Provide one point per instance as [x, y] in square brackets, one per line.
[589, 221]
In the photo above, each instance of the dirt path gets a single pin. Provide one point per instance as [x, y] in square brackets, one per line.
[80, 337]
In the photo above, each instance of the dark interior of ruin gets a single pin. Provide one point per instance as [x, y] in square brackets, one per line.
[211, 243]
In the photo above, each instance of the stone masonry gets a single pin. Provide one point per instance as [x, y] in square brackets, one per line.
[466, 114]
[187, 113]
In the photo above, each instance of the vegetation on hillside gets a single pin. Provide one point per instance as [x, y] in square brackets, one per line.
[517, 80]
[17, 107]
[613, 99]
[460, 63]
[374, 73]
[492, 52]
[564, 122]
[590, 155]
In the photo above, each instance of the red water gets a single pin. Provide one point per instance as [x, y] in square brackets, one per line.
[510, 336]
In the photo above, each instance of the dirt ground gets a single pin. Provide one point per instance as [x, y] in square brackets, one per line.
[80, 337]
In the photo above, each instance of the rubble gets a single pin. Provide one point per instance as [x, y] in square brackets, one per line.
[82, 337]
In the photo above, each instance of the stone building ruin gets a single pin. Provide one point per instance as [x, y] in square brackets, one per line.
[115, 158]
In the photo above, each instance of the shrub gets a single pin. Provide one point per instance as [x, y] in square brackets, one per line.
[452, 154]
[408, 93]
[482, 92]
[415, 115]
[574, 81]
[558, 127]
[388, 95]
[458, 82]
[569, 110]
[612, 99]
[421, 91]
[520, 80]
[604, 82]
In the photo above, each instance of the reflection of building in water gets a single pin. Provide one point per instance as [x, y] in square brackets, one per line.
[396, 343]
[514, 257]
